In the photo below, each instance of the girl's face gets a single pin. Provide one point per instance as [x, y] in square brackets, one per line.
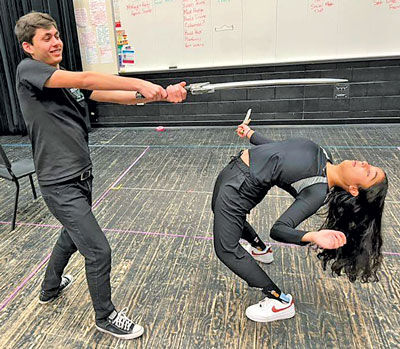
[360, 173]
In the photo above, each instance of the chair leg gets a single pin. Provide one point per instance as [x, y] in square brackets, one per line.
[15, 206]
[33, 187]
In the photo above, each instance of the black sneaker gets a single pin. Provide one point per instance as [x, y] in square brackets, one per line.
[66, 281]
[118, 325]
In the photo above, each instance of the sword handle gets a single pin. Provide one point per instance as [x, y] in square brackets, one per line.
[140, 96]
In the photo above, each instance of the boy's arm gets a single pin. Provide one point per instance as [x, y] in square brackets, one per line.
[99, 81]
[175, 94]
[120, 97]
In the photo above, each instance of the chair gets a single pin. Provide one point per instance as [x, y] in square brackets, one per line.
[13, 171]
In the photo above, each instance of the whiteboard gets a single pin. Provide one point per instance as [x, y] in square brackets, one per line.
[195, 34]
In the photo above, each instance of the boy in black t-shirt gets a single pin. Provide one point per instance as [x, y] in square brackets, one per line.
[53, 103]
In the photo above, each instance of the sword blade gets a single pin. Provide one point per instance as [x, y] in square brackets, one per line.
[273, 82]
[247, 119]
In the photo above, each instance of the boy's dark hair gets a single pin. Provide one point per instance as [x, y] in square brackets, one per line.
[26, 26]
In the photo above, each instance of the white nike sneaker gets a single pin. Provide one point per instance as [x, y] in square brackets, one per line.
[266, 256]
[271, 310]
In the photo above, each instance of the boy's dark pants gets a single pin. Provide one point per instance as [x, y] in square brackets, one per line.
[70, 202]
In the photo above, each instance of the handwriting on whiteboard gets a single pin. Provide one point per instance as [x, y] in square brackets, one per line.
[160, 2]
[139, 7]
[143, 7]
[319, 6]
[390, 4]
[194, 22]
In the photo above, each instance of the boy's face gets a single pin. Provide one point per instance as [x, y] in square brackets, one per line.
[46, 46]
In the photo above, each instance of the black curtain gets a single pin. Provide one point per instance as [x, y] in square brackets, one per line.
[11, 54]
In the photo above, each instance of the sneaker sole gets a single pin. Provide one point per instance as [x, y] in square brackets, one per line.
[58, 296]
[132, 335]
[267, 260]
[286, 314]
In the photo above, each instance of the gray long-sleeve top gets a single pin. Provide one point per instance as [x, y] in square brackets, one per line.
[298, 167]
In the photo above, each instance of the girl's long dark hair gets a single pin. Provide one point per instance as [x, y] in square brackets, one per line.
[359, 218]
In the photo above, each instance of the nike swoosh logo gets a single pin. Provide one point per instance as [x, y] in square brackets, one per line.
[281, 309]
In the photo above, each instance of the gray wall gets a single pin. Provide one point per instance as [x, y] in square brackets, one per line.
[373, 97]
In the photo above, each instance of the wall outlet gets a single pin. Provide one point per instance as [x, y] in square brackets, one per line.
[341, 91]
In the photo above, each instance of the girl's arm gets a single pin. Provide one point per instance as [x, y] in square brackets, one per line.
[255, 138]
[306, 204]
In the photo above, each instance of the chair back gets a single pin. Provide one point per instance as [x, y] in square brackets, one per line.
[4, 162]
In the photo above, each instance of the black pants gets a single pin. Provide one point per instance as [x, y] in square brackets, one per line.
[70, 202]
[235, 194]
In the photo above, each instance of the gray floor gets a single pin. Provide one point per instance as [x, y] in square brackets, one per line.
[152, 197]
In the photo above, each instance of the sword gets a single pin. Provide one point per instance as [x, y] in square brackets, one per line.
[206, 87]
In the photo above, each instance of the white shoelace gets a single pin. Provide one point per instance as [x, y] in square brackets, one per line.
[122, 321]
[264, 302]
[64, 281]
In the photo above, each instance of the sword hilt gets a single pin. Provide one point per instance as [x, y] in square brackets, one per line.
[194, 89]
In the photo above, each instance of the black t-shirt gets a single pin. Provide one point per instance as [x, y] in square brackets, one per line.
[57, 120]
[298, 167]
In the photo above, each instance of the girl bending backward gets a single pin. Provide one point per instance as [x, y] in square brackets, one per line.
[354, 192]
